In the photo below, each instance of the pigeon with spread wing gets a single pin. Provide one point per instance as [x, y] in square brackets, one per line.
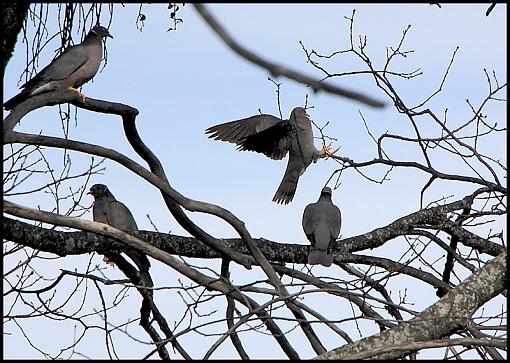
[275, 138]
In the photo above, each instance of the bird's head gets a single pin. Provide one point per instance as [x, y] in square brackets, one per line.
[99, 190]
[101, 31]
[326, 191]
[299, 112]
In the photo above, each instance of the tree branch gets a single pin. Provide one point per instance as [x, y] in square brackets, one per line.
[450, 313]
[279, 70]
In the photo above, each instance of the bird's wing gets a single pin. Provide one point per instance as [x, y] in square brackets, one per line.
[273, 142]
[265, 134]
[62, 67]
[235, 131]
[120, 217]
[309, 221]
[322, 235]
[334, 220]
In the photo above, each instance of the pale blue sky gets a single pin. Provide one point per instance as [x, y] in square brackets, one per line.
[187, 80]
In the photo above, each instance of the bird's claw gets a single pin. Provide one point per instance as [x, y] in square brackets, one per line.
[108, 261]
[325, 151]
[83, 97]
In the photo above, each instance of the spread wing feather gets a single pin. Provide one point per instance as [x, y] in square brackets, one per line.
[265, 134]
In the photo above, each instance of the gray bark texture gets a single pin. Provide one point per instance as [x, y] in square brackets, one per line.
[449, 314]
[14, 13]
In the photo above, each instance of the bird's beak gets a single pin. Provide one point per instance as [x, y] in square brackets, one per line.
[109, 35]
[89, 192]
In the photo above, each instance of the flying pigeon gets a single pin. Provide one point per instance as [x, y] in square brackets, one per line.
[321, 222]
[275, 137]
[110, 211]
[77, 65]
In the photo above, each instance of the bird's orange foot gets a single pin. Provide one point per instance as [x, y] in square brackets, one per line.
[83, 97]
[108, 261]
[325, 151]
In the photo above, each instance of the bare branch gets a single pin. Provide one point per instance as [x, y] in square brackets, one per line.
[278, 70]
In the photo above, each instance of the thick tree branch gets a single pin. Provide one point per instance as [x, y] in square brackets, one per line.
[64, 243]
[14, 13]
[449, 314]
[76, 243]
[59, 97]
[415, 346]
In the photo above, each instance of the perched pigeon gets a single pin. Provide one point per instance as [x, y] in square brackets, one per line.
[321, 223]
[77, 65]
[275, 137]
[108, 210]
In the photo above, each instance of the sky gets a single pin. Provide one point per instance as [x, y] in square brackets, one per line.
[187, 80]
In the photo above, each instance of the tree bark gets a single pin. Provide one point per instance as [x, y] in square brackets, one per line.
[448, 315]
[13, 16]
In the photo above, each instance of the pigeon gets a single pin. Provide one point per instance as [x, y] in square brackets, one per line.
[77, 65]
[275, 138]
[110, 211]
[321, 222]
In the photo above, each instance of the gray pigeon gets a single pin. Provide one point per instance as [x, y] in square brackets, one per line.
[110, 211]
[275, 137]
[321, 223]
[71, 69]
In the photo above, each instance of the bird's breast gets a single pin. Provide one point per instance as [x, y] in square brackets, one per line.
[86, 74]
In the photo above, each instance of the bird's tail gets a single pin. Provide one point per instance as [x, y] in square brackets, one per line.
[16, 100]
[147, 279]
[288, 185]
[285, 192]
[143, 264]
[319, 256]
